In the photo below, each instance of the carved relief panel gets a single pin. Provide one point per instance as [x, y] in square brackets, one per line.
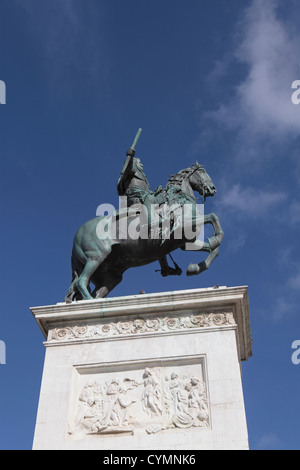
[149, 399]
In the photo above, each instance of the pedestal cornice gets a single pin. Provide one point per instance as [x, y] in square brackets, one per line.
[149, 314]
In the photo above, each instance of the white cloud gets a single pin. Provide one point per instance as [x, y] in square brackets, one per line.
[71, 37]
[261, 107]
[294, 281]
[250, 201]
[268, 442]
[220, 70]
[294, 213]
[283, 308]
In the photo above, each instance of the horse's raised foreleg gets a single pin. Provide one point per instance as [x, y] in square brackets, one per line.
[217, 238]
[212, 246]
[194, 269]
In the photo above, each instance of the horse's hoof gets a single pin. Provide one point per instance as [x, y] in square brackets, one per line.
[202, 267]
[193, 269]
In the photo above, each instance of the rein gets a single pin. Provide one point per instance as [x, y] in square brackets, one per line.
[180, 181]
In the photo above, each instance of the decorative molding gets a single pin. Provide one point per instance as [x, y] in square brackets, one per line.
[233, 299]
[138, 325]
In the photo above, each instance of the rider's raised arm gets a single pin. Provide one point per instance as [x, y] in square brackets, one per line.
[127, 171]
[128, 165]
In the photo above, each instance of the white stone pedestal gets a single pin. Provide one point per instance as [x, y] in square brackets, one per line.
[152, 371]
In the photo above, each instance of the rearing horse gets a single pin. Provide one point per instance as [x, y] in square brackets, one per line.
[102, 260]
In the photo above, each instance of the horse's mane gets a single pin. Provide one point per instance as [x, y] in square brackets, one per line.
[178, 178]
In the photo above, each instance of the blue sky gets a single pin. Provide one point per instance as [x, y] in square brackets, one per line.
[207, 81]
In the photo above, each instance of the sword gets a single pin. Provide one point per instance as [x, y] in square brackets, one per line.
[130, 154]
[135, 139]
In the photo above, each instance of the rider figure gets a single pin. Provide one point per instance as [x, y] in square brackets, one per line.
[133, 184]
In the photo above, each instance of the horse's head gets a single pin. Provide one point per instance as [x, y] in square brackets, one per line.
[201, 182]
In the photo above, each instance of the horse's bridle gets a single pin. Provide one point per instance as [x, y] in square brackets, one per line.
[193, 170]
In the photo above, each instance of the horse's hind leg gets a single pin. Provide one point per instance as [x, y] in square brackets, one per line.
[82, 283]
[110, 280]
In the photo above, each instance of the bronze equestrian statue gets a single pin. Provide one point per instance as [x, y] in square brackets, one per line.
[102, 256]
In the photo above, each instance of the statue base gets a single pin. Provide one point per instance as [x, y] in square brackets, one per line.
[149, 371]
